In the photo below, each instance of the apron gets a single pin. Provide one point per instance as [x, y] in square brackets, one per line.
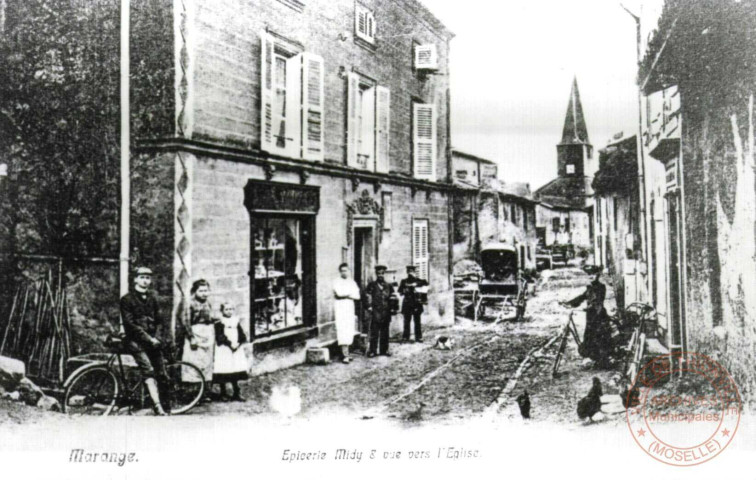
[204, 334]
[229, 364]
[343, 309]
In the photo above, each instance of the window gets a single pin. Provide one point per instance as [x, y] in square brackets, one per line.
[615, 211]
[387, 210]
[293, 101]
[525, 220]
[364, 23]
[277, 263]
[424, 140]
[567, 224]
[426, 57]
[555, 223]
[368, 124]
[570, 168]
[420, 256]
[513, 214]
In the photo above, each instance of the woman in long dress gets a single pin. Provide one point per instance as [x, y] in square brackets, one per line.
[199, 345]
[345, 292]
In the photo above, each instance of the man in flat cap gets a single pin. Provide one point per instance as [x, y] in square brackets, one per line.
[412, 305]
[378, 294]
[147, 336]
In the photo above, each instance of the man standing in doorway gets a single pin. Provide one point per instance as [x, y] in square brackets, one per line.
[378, 293]
[147, 336]
[412, 305]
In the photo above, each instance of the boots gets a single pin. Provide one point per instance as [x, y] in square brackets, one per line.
[152, 389]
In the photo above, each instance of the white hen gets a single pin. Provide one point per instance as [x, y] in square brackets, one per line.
[286, 400]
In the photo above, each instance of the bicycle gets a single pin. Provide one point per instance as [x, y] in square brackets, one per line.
[104, 387]
[569, 329]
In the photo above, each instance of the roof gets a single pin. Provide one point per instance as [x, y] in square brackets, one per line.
[565, 192]
[421, 9]
[470, 156]
[498, 246]
[575, 131]
[521, 189]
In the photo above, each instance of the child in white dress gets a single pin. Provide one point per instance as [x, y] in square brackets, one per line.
[230, 360]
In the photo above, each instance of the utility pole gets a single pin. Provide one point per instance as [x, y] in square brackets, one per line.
[639, 145]
[123, 265]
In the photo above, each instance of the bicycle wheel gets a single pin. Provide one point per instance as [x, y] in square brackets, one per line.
[187, 386]
[93, 391]
[560, 353]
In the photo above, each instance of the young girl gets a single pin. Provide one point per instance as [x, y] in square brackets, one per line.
[230, 361]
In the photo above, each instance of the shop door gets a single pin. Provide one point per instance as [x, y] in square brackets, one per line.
[364, 264]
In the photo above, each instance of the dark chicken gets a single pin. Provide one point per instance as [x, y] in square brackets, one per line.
[590, 405]
[523, 401]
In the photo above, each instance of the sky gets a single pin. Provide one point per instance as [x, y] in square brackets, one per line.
[512, 63]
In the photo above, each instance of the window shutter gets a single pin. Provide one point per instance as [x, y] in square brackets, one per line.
[294, 107]
[420, 256]
[383, 128]
[426, 57]
[364, 23]
[424, 136]
[313, 141]
[367, 161]
[353, 98]
[267, 141]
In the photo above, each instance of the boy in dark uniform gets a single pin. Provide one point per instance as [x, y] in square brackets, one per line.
[147, 335]
[412, 305]
[378, 294]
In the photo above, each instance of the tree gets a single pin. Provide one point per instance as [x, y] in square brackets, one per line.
[59, 121]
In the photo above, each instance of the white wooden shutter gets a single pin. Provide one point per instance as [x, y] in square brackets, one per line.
[367, 144]
[313, 141]
[424, 137]
[364, 23]
[353, 86]
[293, 107]
[426, 57]
[267, 72]
[382, 129]
[420, 256]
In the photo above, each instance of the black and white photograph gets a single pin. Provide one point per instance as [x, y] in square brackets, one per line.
[409, 238]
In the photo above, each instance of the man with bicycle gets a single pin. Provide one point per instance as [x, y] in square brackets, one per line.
[147, 336]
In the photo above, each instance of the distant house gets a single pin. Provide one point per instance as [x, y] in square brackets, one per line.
[564, 211]
[487, 210]
[617, 217]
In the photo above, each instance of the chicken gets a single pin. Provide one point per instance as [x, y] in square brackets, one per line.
[417, 414]
[590, 405]
[286, 401]
[523, 401]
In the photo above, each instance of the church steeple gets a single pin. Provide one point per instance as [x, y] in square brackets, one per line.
[575, 131]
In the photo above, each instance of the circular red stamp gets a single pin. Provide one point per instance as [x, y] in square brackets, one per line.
[683, 409]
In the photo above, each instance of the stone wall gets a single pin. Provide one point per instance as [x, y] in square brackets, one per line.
[226, 54]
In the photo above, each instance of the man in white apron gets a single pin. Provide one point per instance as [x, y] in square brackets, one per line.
[345, 292]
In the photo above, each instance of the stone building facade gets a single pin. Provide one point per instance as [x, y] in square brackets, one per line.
[699, 192]
[617, 217]
[294, 136]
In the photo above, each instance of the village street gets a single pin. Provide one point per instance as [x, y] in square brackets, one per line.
[421, 383]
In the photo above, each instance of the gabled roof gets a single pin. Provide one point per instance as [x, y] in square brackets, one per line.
[565, 192]
[575, 131]
[470, 156]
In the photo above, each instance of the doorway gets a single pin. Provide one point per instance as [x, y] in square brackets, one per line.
[676, 304]
[364, 265]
